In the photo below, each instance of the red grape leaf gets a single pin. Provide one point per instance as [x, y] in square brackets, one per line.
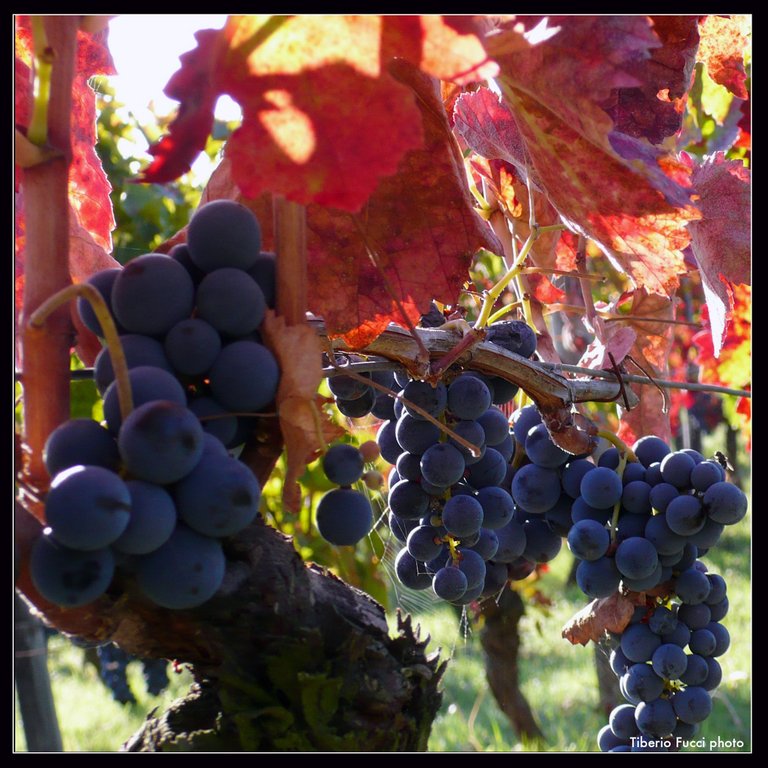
[420, 224]
[722, 47]
[305, 429]
[195, 88]
[410, 223]
[647, 315]
[619, 340]
[628, 197]
[302, 82]
[733, 368]
[605, 614]
[488, 126]
[573, 72]
[654, 109]
[721, 240]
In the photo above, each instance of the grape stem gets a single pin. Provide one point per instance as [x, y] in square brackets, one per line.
[617, 505]
[623, 448]
[111, 337]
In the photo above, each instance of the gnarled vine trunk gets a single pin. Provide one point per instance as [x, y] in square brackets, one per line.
[285, 657]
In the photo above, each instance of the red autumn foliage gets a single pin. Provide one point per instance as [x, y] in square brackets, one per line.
[721, 240]
[654, 109]
[318, 100]
[723, 41]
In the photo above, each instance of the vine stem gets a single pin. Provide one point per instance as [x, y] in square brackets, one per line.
[111, 337]
[37, 132]
[518, 259]
[690, 386]
[45, 352]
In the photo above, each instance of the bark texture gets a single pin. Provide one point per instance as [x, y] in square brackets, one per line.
[501, 642]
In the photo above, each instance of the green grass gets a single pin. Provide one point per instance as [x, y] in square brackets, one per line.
[558, 679]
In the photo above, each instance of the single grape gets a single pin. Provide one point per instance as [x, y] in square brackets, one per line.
[495, 426]
[431, 399]
[692, 586]
[152, 519]
[669, 661]
[358, 408]
[541, 449]
[725, 503]
[490, 470]
[245, 376]
[656, 718]
[462, 515]
[497, 505]
[512, 542]
[650, 449]
[514, 336]
[638, 642]
[409, 572]
[468, 397]
[588, 540]
[224, 233]
[536, 489]
[598, 578]
[636, 497]
[183, 573]
[424, 543]
[219, 497]
[88, 507]
[343, 464]
[636, 558]
[542, 543]
[449, 583]
[160, 442]
[601, 488]
[692, 705]
[685, 515]
[192, 346]
[69, 577]
[344, 516]
[442, 465]
[622, 721]
[676, 469]
[642, 683]
[151, 294]
[80, 441]
[696, 670]
[138, 350]
[231, 301]
[415, 435]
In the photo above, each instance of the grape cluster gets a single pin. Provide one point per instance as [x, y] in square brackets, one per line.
[668, 687]
[672, 507]
[447, 501]
[113, 664]
[157, 492]
[469, 521]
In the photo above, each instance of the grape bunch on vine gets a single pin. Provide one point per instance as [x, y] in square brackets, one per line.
[449, 288]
